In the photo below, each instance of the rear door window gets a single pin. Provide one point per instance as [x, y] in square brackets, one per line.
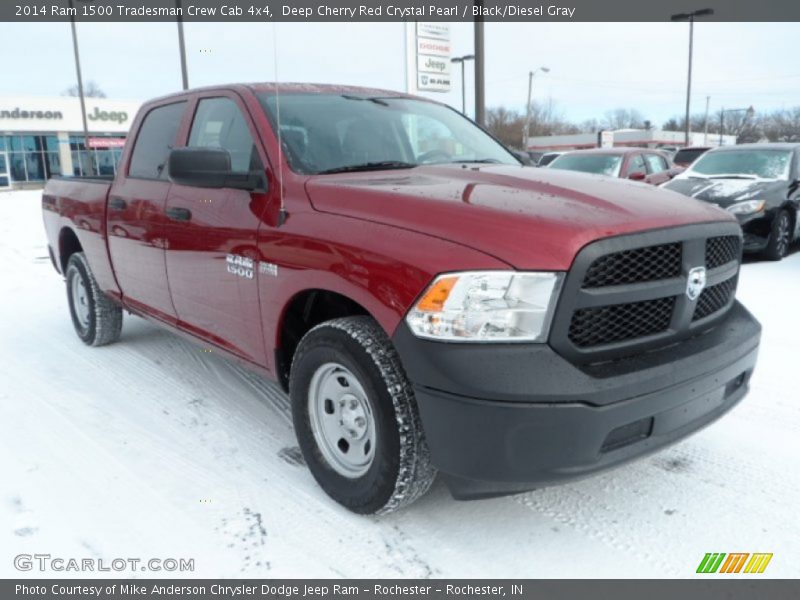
[154, 141]
[656, 163]
[636, 164]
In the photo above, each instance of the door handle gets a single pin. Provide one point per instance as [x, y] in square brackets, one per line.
[177, 213]
[117, 204]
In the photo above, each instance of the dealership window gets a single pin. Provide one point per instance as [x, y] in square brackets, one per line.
[85, 161]
[31, 157]
[4, 180]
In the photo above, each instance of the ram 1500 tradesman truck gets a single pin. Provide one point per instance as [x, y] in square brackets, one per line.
[430, 304]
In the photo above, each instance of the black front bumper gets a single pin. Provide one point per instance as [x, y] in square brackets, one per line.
[756, 230]
[505, 418]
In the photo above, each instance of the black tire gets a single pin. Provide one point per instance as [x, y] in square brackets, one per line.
[401, 470]
[103, 322]
[780, 236]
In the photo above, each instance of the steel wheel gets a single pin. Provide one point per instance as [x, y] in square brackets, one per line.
[341, 420]
[80, 300]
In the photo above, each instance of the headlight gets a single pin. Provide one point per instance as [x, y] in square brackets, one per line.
[487, 306]
[746, 208]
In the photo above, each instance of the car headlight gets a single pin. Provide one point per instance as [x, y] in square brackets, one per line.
[487, 306]
[746, 208]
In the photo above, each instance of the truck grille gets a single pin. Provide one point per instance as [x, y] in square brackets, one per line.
[631, 266]
[631, 293]
[714, 298]
[607, 324]
[722, 249]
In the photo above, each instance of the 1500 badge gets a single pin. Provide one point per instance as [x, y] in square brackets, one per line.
[239, 265]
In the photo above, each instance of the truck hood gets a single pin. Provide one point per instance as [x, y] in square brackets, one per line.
[725, 192]
[530, 218]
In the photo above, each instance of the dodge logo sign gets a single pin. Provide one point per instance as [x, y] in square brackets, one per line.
[696, 282]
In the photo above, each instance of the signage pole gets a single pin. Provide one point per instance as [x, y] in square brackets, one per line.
[480, 92]
[182, 48]
[80, 86]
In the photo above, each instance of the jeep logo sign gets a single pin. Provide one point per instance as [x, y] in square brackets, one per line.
[104, 115]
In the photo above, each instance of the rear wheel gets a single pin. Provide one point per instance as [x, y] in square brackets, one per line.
[97, 319]
[780, 236]
[356, 417]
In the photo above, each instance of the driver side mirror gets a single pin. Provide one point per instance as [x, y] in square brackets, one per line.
[637, 175]
[210, 168]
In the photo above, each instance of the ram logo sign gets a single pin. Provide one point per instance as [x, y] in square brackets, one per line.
[735, 562]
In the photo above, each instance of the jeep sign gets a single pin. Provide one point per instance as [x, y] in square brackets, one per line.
[104, 115]
[432, 51]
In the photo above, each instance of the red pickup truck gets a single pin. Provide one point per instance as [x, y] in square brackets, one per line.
[429, 304]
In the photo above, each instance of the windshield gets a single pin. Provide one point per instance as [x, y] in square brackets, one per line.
[600, 164]
[762, 164]
[324, 133]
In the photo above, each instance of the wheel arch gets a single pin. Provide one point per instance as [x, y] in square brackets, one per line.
[68, 244]
[303, 311]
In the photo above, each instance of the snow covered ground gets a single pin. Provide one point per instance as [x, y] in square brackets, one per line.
[153, 448]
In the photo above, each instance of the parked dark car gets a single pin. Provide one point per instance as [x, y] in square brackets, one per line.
[523, 157]
[686, 156]
[639, 164]
[547, 158]
[535, 156]
[759, 183]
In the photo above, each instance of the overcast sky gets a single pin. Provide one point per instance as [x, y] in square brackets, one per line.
[595, 67]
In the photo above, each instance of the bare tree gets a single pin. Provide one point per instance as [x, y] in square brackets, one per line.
[90, 90]
[623, 118]
[782, 125]
[506, 125]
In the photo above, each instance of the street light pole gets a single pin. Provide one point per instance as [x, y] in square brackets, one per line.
[705, 123]
[182, 47]
[526, 133]
[462, 60]
[690, 17]
[80, 85]
[480, 90]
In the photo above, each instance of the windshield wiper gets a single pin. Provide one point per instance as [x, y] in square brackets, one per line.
[370, 166]
[477, 160]
[732, 176]
[375, 99]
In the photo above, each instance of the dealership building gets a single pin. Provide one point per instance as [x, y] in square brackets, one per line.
[41, 137]
[632, 138]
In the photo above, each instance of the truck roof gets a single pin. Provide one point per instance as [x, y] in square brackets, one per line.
[295, 88]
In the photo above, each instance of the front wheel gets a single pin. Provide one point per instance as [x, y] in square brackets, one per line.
[97, 319]
[780, 236]
[356, 417]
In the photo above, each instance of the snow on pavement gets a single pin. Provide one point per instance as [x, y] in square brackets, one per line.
[151, 448]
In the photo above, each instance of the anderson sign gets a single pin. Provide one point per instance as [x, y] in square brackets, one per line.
[18, 113]
[64, 115]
